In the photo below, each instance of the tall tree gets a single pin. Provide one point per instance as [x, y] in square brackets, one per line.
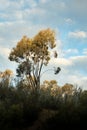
[32, 54]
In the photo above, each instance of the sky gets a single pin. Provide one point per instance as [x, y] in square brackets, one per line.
[68, 18]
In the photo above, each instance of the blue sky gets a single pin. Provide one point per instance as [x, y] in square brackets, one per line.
[67, 17]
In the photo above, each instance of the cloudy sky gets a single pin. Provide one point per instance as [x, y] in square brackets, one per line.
[67, 17]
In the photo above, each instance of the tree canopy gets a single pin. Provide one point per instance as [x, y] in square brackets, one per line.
[32, 54]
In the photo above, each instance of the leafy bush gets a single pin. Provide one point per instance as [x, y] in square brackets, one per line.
[52, 106]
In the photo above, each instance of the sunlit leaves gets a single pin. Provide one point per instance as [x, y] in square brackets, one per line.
[68, 88]
[6, 73]
[5, 76]
[45, 37]
[54, 89]
[44, 40]
[36, 48]
[22, 49]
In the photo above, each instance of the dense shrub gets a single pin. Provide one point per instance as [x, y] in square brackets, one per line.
[52, 106]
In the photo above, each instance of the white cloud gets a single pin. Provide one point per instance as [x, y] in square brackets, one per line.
[85, 51]
[30, 3]
[71, 51]
[69, 20]
[14, 31]
[4, 4]
[10, 4]
[33, 12]
[4, 51]
[59, 46]
[79, 58]
[73, 70]
[63, 62]
[66, 75]
[80, 63]
[15, 10]
[75, 79]
[75, 64]
[42, 1]
[83, 82]
[78, 34]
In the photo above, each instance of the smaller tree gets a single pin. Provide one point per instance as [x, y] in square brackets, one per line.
[6, 76]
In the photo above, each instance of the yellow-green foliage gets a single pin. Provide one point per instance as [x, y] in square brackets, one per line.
[32, 54]
[35, 49]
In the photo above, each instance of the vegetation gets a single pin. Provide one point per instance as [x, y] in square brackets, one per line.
[32, 55]
[54, 107]
[34, 106]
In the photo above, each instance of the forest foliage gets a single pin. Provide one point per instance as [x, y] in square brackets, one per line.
[31, 105]
[53, 106]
